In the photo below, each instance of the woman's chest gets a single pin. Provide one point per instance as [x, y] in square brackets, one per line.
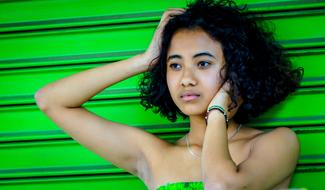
[178, 165]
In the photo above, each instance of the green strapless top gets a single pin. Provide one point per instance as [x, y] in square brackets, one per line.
[194, 185]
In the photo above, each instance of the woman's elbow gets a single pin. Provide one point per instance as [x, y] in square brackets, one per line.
[41, 99]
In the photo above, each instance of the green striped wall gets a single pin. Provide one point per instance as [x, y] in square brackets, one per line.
[43, 41]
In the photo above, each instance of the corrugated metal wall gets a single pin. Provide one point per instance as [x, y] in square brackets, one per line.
[42, 41]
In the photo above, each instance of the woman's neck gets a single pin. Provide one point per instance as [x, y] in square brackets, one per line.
[198, 128]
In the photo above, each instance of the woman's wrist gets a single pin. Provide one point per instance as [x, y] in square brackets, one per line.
[215, 116]
[140, 63]
[218, 109]
[146, 61]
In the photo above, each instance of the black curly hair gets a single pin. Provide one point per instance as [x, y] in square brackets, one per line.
[256, 66]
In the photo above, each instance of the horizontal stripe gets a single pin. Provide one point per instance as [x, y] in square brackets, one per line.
[72, 57]
[306, 118]
[59, 168]
[312, 156]
[84, 19]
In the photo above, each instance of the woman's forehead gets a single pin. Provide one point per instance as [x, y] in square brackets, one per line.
[194, 41]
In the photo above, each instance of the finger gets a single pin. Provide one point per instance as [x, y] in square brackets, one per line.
[166, 17]
[178, 9]
[170, 13]
[173, 12]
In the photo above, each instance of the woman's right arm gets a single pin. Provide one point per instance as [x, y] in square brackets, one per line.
[124, 146]
[75, 90]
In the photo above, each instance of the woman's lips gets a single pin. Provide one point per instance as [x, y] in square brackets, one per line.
[190, 97]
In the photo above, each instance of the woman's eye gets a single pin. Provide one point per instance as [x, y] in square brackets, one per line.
[203, 64]
[175, 66]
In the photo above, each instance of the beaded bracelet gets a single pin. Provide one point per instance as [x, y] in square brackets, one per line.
[221, 109]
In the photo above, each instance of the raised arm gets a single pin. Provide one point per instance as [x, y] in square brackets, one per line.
[124, 146]
[75, 90]
[62, 102]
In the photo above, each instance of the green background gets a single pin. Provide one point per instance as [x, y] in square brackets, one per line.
[43, 41]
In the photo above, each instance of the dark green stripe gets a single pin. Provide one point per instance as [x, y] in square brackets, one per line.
[105, 92]
[71, 57]
[309, 40]
[292, 14]
[29, 133]
[314, 90]
[305, 52]
[313, 79]
[312, 156]
[14, 97]
[83, 19]
[70, 177]
[58, 168]
[284, 3]
[307, 118]
[310, 168]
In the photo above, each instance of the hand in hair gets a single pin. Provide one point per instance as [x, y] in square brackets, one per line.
[222, 98]
[155, 45]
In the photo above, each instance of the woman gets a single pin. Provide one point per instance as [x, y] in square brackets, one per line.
[209, 63]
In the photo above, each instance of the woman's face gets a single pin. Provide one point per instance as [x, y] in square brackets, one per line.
[194, 60]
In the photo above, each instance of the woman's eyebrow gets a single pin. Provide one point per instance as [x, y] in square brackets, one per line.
[194, 56]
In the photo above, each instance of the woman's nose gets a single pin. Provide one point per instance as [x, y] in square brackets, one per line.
[188, 78]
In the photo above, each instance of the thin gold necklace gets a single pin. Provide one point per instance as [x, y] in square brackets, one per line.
[198, 156]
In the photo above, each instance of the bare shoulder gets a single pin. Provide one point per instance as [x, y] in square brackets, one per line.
[288, 137]
[284, 131]
[279, 148]
[277, 134]
[281, 135]
[280, 143]
[276, 138]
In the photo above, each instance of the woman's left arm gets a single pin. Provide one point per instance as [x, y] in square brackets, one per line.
[273, 158]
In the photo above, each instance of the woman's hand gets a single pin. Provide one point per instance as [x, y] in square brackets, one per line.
[154, 48]
[222, 98]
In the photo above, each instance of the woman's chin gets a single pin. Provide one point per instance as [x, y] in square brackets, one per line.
[193, 113]
[192, 109]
